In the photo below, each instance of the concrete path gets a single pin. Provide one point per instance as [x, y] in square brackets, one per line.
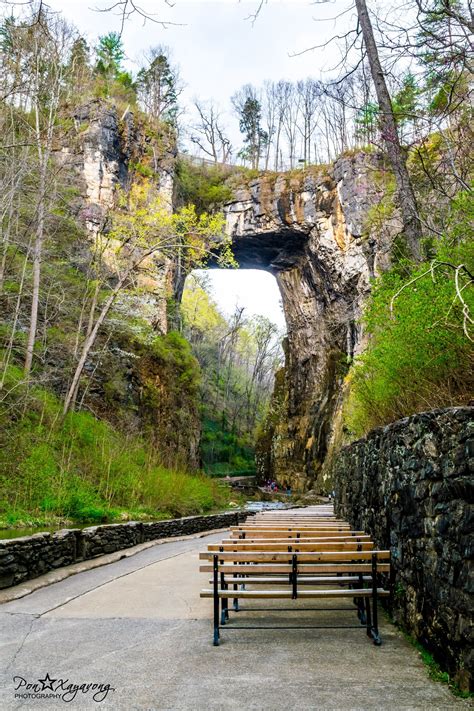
[139, 626]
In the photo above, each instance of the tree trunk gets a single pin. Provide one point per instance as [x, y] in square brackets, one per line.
[37, 256]
[277, 146]
[406, 196]
[89, 342]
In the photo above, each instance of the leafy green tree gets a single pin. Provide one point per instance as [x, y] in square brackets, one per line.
[405, 102]
[110, 54]
[143, 230]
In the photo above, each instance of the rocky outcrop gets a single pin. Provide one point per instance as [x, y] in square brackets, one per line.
[309, 229]
[138, 382]
[107, 155]
[411, 486]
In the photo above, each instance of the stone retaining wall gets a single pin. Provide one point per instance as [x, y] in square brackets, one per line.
[411, 486]
[27, 557]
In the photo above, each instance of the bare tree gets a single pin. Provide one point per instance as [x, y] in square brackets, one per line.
[210, 134]
[290, 119]
[43, 42]
[406, 195]
[309, 96]
[270, 111]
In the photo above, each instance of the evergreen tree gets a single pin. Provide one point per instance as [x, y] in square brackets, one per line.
[249, 110]
[158, 86]
[110, 54]
[79, 69]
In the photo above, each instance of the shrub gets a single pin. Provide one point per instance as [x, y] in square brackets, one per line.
[419, 355]
[202, 186]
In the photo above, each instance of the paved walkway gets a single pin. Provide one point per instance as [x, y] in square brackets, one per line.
[139, 626]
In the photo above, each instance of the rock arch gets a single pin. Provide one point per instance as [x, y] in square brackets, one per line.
[307, 228]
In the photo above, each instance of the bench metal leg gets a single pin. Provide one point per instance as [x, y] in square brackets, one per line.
[225, 602]
[375, 623]
[216, 600]
[361, 611]
[360, 604]
[236, 600]
[368, 616]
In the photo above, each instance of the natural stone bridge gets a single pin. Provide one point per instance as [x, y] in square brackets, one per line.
[308, 229]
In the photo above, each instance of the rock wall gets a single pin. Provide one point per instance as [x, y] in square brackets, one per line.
[308, 228]
[27, 557]
[411, 485]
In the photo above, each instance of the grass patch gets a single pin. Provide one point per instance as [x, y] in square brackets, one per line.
[82, 469]
[434, 670]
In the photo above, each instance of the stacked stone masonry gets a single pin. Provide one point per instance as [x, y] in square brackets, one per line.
[27, 557]
[410, 484]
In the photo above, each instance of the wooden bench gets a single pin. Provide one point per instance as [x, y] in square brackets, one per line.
[289, 533]
[300, 573]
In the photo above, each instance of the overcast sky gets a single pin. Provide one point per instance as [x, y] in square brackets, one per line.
[218, 50]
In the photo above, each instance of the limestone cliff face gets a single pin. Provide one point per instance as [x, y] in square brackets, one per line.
[108, 149]
[137, 385]
[308, 229]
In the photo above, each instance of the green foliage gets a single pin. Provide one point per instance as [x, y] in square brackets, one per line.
[249, 110]
[143, 222]
[381, 212]
[237, 357]
[420, 354]
[111, 79]
[81, 468]
[144, 170]
[175, 350]
[110, 53]
[225, 453]
[158, 86]
[405, 101]
[203, 186]
[366, 122]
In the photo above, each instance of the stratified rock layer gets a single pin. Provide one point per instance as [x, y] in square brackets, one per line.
[308, 228]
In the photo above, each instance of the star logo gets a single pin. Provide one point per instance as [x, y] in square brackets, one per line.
[47, 683]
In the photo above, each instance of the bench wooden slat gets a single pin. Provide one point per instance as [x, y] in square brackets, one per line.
[301, 539]
[285, 594]
[296, 546]
[312, 557]
[302, 580]
[281, 568]
[289, 535]
[291, 529]
[293, 524]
